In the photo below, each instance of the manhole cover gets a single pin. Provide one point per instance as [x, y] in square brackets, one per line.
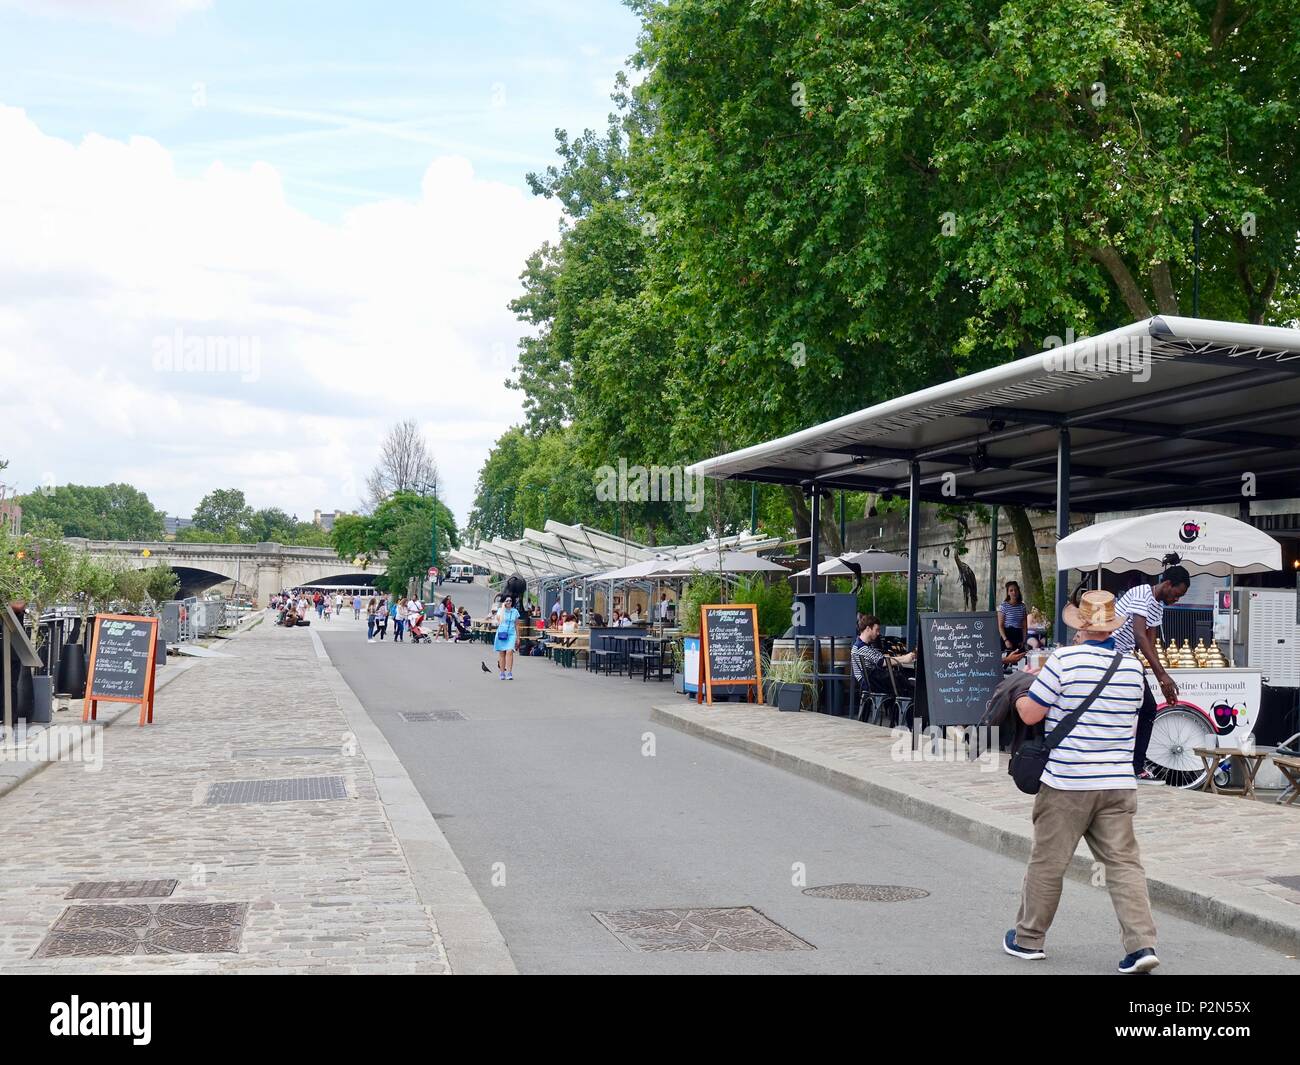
[289, 789]
[284, 752]
[867, 892]
[417, 716]
[734, 929]
[157, 928]
[121, 889]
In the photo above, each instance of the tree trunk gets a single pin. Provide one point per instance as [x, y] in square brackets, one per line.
[1162, 283]
[799, 509]
[1031, 570]
[1134, 300]
[831, 527]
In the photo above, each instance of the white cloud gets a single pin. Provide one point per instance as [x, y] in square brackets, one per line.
[399, 310]
[142, 14]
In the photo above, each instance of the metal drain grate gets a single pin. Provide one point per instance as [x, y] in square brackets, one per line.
[867, 892]
[157, 928]
[731, 929]
[121, 889]
[416, 717]
[289, 789]
[285, 752]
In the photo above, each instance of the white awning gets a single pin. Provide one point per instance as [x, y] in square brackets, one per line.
[1205, 543]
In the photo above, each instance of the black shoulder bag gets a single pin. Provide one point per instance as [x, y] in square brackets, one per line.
[1028, 763]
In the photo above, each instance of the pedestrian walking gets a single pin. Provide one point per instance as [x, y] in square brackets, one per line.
[1089, 694]
[400, 614]
[371, 606]
[356, 608]
[506, 638]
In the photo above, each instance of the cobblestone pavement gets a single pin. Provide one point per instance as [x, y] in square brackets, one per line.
[1209, 856]
[326, 883]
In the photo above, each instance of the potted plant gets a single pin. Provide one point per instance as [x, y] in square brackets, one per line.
[44, 577]
[679, 667]
[790, 679]
[92, 584]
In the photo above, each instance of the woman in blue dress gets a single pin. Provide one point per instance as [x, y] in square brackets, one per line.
[507, 637]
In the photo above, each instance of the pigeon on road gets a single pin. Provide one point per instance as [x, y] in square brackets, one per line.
[483, 666]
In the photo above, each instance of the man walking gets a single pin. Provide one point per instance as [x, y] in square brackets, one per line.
[1088, 789]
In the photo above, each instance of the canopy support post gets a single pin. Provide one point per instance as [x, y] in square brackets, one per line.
[1062, 530]
[814, 542]
[993, 558]
[1232, 619]
[913, 548]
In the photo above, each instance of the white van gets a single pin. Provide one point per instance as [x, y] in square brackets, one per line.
[461, 573]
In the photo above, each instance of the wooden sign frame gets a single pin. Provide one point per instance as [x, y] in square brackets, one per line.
[15, 637]
[753, 684]
[90, 706]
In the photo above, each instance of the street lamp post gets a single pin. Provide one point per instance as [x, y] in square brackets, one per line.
[432, 489]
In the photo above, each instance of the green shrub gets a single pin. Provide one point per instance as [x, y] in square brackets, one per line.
[772, 599]
[702, 588]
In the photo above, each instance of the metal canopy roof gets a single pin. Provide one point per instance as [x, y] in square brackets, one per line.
[1215, 401]
[564, 551]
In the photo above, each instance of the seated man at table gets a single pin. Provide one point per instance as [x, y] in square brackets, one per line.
[870, 663]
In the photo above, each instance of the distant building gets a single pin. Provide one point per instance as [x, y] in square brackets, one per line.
[326, 519]
[11, 515]
[171, 526]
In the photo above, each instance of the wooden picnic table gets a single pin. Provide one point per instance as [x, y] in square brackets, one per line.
[1250, 762]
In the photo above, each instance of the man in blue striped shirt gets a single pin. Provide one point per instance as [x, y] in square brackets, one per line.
[1088, 790]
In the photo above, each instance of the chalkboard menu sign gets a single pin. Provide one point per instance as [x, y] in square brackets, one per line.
[962, 655]
[730, 653]
[122, 663]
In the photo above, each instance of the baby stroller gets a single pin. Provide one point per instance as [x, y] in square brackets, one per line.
[416, 630]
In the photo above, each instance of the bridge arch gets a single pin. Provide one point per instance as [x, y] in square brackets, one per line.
[260, 570]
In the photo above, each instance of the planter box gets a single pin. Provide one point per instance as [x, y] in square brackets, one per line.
[789, 697]
[42, 700]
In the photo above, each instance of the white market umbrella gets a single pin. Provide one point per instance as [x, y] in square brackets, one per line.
[632, 571]
[871, 561]
[725, 562]
[1206, 543]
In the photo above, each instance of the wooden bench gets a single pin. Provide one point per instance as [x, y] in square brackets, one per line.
[1290, 767]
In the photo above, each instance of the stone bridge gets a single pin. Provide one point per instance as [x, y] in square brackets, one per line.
[260, 570]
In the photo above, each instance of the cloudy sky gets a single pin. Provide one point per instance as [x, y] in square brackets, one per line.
[325, 198]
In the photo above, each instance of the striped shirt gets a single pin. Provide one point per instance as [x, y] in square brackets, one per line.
[1097, 755]
[1013, 615]
[867, 658]
[1138, 601]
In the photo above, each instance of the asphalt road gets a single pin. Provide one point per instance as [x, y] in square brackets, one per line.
[552, 803]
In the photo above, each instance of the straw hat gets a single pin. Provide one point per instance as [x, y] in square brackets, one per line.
[1095, 613]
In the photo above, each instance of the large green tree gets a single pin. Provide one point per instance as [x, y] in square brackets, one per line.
[806, 207]
[98, 512]
[403, 526]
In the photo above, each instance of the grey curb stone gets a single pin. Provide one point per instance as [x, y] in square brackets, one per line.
[470, 935]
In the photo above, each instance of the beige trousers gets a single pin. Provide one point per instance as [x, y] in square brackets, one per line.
[1105, 820]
